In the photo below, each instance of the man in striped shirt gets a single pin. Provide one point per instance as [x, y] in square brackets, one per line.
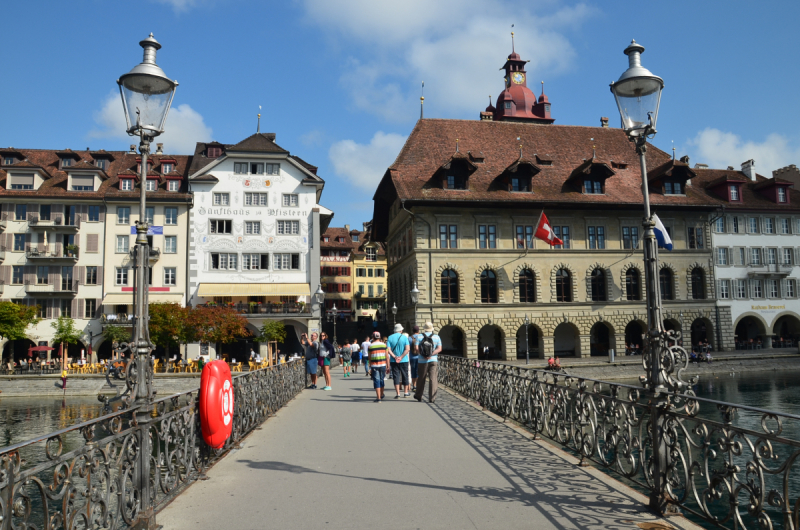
[377, 365]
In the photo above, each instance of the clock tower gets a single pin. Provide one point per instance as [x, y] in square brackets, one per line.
[517, 102]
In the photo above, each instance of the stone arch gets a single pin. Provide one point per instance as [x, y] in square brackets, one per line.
[633, 334]
[500, 283]
[537, 277]
[750, 326]
[676, 283]
[609, 282]
[602, 337]
[492, 336]
[572, 274]
[707, 280]
[623, 281]
[702, 329]
[436, 293]
[454, 340]
[535, 342]
[786, 325]
[566, 339]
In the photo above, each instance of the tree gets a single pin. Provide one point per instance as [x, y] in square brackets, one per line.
[66, 333]
[113, 333]
[167, 323]
[15, 320]
[220, 325]
[272, 330]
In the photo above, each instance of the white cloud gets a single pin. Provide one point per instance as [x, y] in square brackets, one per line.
[181, 6]
[184, 128]
[312, 137]
[721, 149]
[455, 46]
[365, 164]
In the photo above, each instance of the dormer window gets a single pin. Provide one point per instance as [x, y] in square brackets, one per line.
[167, 167]
[674, 188]
[456, 182]
[340, 240]
[734, 192]
[213, 152]
[619, 165]
[593, 187]
[20, 182]
[101, 163]
[520, 184]
[355, 238]
[173, 185]
[66, 162]
[326, 239]
[8, 160]
[126, 184]
[83, 183]
[151, 185]
[507, 104]
[781, 194]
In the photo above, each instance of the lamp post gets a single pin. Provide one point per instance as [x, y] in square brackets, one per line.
[146, 98]
[334, 313]
[638, 95]
[415, 299]
[527, 350]
[394, 313]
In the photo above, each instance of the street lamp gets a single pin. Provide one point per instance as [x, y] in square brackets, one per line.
[334, 312]
[146, 98]
[415, 299]
[527, 352]
[394, 313]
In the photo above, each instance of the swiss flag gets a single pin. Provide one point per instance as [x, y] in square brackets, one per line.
[545, 232]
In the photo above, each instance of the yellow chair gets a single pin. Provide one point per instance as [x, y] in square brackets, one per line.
[157, 366]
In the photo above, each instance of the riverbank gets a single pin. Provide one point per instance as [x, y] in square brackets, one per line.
[89, 385]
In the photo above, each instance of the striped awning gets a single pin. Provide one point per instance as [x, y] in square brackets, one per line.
[253, 289]
[127, 298]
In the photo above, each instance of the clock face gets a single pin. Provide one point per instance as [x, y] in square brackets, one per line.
[518, 77]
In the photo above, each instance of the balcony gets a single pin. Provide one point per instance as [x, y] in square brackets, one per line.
[65, 287]
[2, 284]
[55, 222]
[2, 253]
[52, 252]
[267, 309]
[117, 319]
[766, 270]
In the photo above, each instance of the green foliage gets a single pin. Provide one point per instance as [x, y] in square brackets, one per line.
[15, 319]
[66, 332]
[114, 333]
[167, 324]
[216, 325]
[272, 330]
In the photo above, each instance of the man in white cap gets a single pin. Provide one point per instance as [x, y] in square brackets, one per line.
[398, 349]
[428, 348]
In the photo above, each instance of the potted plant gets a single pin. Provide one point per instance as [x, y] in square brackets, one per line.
[70, 250]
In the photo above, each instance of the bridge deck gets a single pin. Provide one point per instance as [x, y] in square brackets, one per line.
[338, 460]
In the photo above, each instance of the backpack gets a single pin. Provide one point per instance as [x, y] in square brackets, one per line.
[346, 354]
[426, 346]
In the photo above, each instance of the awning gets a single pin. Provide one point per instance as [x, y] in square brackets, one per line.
[253, 289]
[127, 298]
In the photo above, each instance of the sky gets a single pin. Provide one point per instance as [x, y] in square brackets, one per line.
[339, 81]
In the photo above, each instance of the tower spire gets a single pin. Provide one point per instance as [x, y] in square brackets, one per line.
[512, 40]
[258, 127]
[422, 101]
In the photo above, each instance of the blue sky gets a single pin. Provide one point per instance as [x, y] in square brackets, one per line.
[339, 80]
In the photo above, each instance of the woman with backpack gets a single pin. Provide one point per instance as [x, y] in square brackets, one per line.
[428, 348]
[326, 354]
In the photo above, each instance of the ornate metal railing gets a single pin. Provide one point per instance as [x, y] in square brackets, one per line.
[84, 476]
[728, 464]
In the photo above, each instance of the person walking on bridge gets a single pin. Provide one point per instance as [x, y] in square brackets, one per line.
[346, 358]
[356, 355]
[365, 355]
[398, 349]
[416, 338]
[429, 349]
[377, 365]
[328, 353]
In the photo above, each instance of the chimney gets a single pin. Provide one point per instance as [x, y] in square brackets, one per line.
[685, 159]
[603, 122]
[749, 169]
[347, 227]
[133, 149]
[701, 166]
[159, 149]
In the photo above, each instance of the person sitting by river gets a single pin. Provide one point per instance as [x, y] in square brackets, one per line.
[693, 356]
[708, 356]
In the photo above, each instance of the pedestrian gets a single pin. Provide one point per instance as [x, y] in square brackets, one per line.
[327, 353]
[398, 350]
[311, 356]
[416, 338]
[377, 365]
[355, 350]
[365, 355]
[429, 349]
[346, 358]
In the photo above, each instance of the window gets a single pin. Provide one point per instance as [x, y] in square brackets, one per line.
[755, 256]
[126, 184]
[149, 214]
[254, 227]
[593, 187]
[66, 162]
[123, 244]
[724, 289]
[66, 308]
[527, 286]
[90, 306]
[257, 168]
[722, 256]
[741, 288]
[290, 199]
[273, 169]
[630, 237]
[151, 185]
[379, 273]
[754, 225]
[772, 256]
[563, 286]
[698, 284]
[598, 279]
[240, 168]
[21, 212]
[719, 225]
[741, 260]
[21, 182]
[508, 104]
[361, 273]
[525, 236]
[673, 188]
[91, 275]
[286, 228]
[449, 286]
[597, 237]
[488, 287]
[19, 242]
[487, 236]
[66, 278]
[734, 191]
[773, 289]
[222, 199]
[456, 182]
[256, 199]
[784, 226]
[170, 216]
[8, 160]
[791, 289]
[83, 183]
[326, 239]
[695, 237]
[361, 289]
[170, 244]
[787, 256]
[220, 226]
[170, 276]
[16, 274]
[372, 254]
[167, 167]
[665, 282]
[222, 262]
[371, 290]
[781, 194]
[121, 276]
[758, 288]
[562, 233]
[448, 236]
[123, 215]
[735, 223]
[520, 184]
[354, 237]
[286, 262]
[769, 225]
[633, 289]
[380, 289]
[254, 262]
[41, 309]
[94, 213]
[173, 185]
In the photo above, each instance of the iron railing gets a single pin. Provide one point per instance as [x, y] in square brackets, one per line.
[265, 308]
[730, 464]
[83, 476]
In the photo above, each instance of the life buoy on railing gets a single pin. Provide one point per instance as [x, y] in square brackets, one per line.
[216, 403]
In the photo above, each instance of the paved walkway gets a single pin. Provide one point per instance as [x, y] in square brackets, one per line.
[338, 460]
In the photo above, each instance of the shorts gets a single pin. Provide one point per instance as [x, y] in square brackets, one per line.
[378, 375]
[414, 367]
[356, 362]
[400, 373]
[347, 363]
[326, 361]
[311, 366]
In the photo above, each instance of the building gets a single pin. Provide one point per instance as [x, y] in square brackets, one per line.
[336, 269]
[756, 241]
[254, 233]
[458, 209]
[369, 278]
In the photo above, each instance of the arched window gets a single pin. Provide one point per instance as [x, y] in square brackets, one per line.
[665, 281]
[449, 286]
[563, 286]
[527, 286]
[698, 284]
[633, 286]
[488, 287]
[598, 285]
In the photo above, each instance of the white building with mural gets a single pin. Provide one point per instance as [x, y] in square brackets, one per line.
[254, 237]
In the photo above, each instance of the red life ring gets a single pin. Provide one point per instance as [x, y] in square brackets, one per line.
[216, 403]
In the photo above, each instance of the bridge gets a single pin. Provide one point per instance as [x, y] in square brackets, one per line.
[501, 447]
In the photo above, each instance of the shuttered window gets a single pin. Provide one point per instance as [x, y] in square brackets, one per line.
[21, 182]
[83, 183]
[92, 242]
